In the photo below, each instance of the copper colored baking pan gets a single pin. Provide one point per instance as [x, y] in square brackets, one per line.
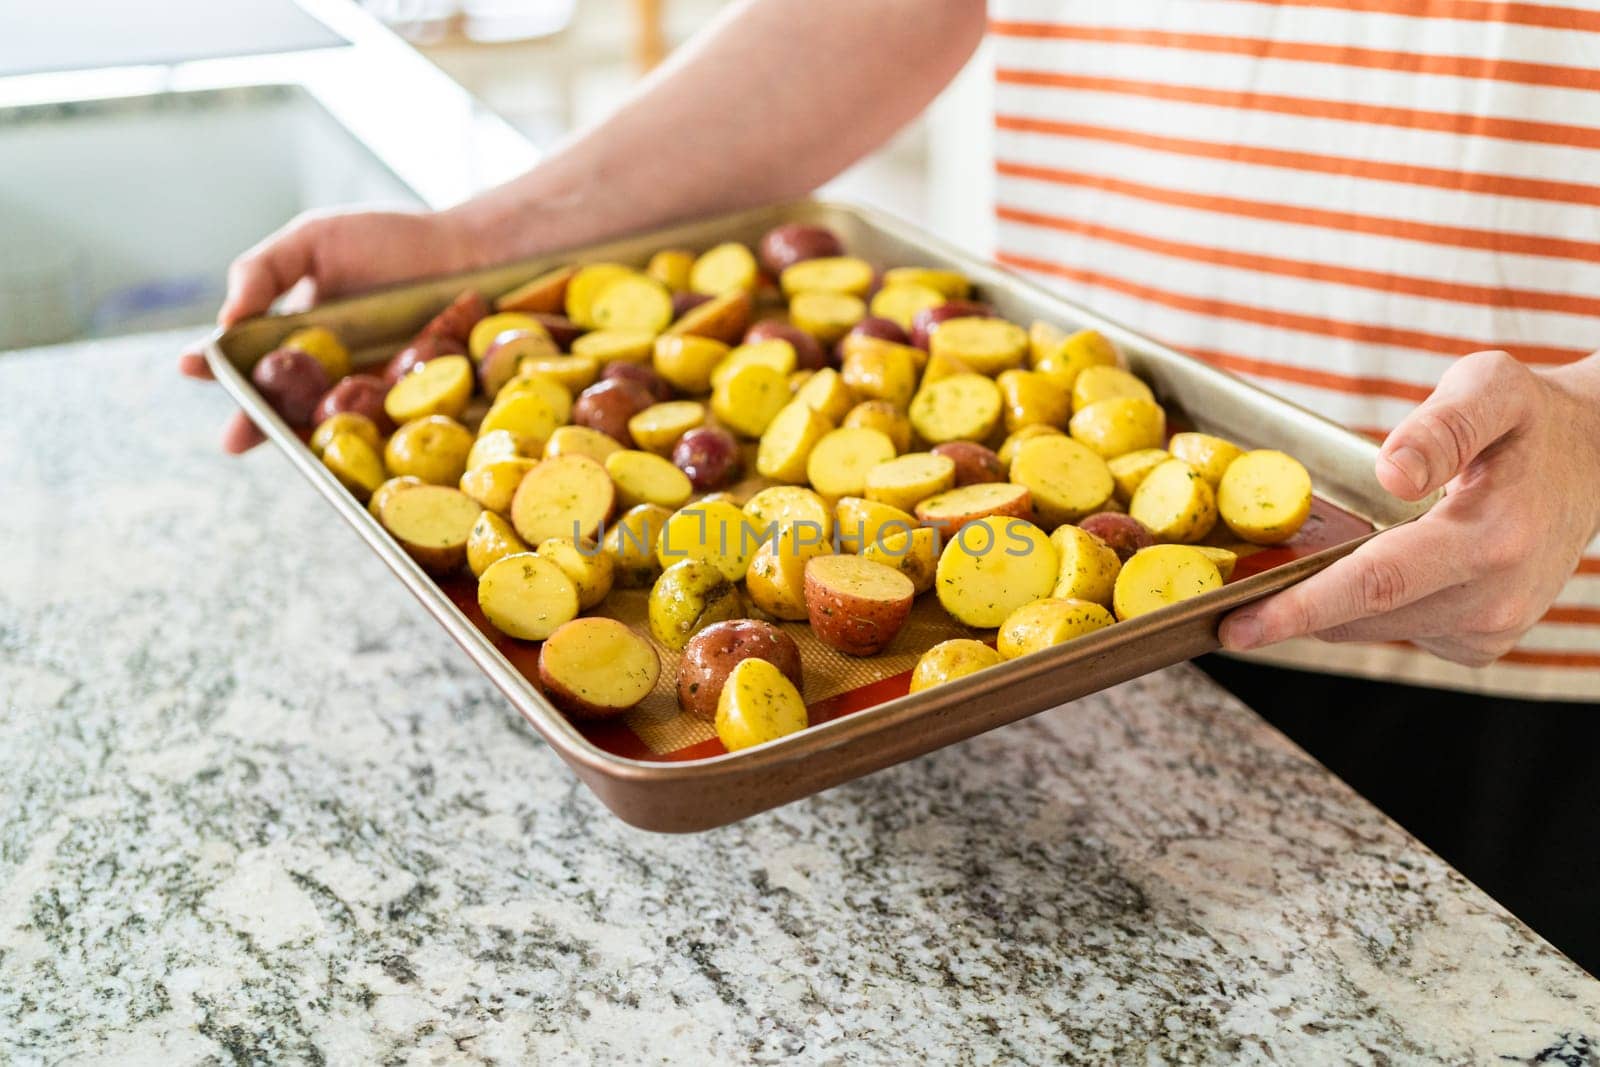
[695, 785]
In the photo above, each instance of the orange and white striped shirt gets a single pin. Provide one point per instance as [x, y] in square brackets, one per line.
[1333, 199]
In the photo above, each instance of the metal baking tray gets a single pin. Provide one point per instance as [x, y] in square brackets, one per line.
[873, 723]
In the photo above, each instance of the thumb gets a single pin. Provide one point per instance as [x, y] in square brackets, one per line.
[1479, 400]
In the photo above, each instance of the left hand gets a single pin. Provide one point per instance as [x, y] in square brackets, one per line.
[1518, 454]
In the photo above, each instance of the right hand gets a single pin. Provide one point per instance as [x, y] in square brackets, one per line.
[333, 255]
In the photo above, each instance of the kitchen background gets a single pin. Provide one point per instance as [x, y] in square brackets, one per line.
[143, 146]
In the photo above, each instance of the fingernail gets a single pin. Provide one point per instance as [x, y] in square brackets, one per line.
[1242, 633]
[1409, 462]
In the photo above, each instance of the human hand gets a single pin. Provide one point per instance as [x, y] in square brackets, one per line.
[1518, 454]
[327, 255]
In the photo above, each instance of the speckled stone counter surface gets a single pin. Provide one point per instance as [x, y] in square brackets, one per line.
[256, 808]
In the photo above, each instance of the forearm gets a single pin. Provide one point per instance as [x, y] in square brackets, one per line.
[772, 100]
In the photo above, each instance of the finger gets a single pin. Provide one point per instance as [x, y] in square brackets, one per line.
[1479, 400]
[240, 434]
[1448, 612]
[268, 270]
[1394, 569]
[194, 365]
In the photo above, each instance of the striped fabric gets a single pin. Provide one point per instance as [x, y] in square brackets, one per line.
[1333, 199]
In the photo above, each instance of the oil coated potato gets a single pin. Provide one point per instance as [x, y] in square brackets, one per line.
[861, 522]
[1049, 622]
[1087, 568]
[574, 373]
[1175, 503]
[1064, 358]
[566, 496]
[671, 267]
[609, 407]
[686, 361]
[1206, 453]
[727, 268]
[439, 387]
[758, 704]
[839, 463]
[1102, 382]
[1120, 425]
[357, 394]
[791, 436]
[826, 392]
[949, 511]
[987, 345]
[961, 407]
[689, 596]
[784, 246]
[1066, 480]
[398, 484]
[914, 553]
[975, 464]
[1161, 575]
[1131, 468]
[808, 354]
[487, 329]
[556, 396]
[324, 346]
[658, 427]
[1008, 447]
[580, 441]
[491, 539]
[355, 462]
[455, 322]
[586, 285]
[775, 353]
[633, 302]
[880, 370]
[1224, 558]
[345, 422]
[776, 580]
[884, 417]
[616, 346]
[713, 532]
[526, 597]
[1265, 496]
[497, 445]
[827, 316]
[714, 652]
[907, 480]
[434, 449]
[709, 455]
[899, 302]
[646, 478]
[494, 484]
[630, 544]
[432, 523]
[855, 605]
[992, 567]
[597, 668]
[1123, 534]
[952, 285]
[747, 400]
[779, 506]
[525, 414]
[590, 568]
[545, 294]
[827, 274]
[949, 660]
[1032, 399]
[722, 318]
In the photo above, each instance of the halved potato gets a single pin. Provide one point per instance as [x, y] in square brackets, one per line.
[827, 316]
[779, 506]
[1120, 425]
[1160, 575]
[486, 329]
[1175, 502]
[497, 445]
[355, 462]
[993, 566]
[1049, 622]
[324, 346]
[961, 407]
[572, 373]
[1206, 453]
[881, 371]
[773, 352]
[722, 318]
[747, 400]
[790, 437]
[944, 365]
[615, 345]
[1224, 558]
[1087, 567]
[1008, 447]
[1101, 382]
[440, 386]
[434, 449]
[729, 267]
[776, 578]
[861, 522]
[855, 605]
[564, 496]
[827, 274]
[398, 484]
[906, 481]
[914, 553]
[432, 523]
[633, 302]
[839, 463]
[588, 565]
[714, 532]
[345, 422]
[987, 345]
[1032, 399]
[597, 668]
[585, 285]
[952, 659]
[686, 361]
[949, 284]
[954, 508]
[1067, 480]
[1131, 468]
[556, 396]
[671, 267]
[526, 597]
[899, 302]
[491, 539]
[545, 294]
[631, 542]
[758, 704]
[827, 393]
[646, 478]
[658, 427]
[1265, 496]
[493, 484]
[1064, 358]
[884, 417]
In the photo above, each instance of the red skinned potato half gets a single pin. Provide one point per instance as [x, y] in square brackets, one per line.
[457, 320]
[607, 406]
[712, 654]
[640, 374]
[928, 319]
[975, 464]
[562, 330]
[881, 328]
[292, 382]
[709, 455]
[854, 604]
[1124, 533]
[784, 246]
[359, 393]
[808, 354]
[419, 352]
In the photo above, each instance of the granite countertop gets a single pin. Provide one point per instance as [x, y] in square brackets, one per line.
[256, 808]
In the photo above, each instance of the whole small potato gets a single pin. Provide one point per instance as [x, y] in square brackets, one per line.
[974, 462]
[686, 301]
[689, 596]
[1125, 534]
[434, 449]
[808, 354]
[928, 319]
[419, 352]
[640, 374]
[360, 394]
[607, 406]
[712, 654]
[784, 246]
[709, 455]
[292, 382]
